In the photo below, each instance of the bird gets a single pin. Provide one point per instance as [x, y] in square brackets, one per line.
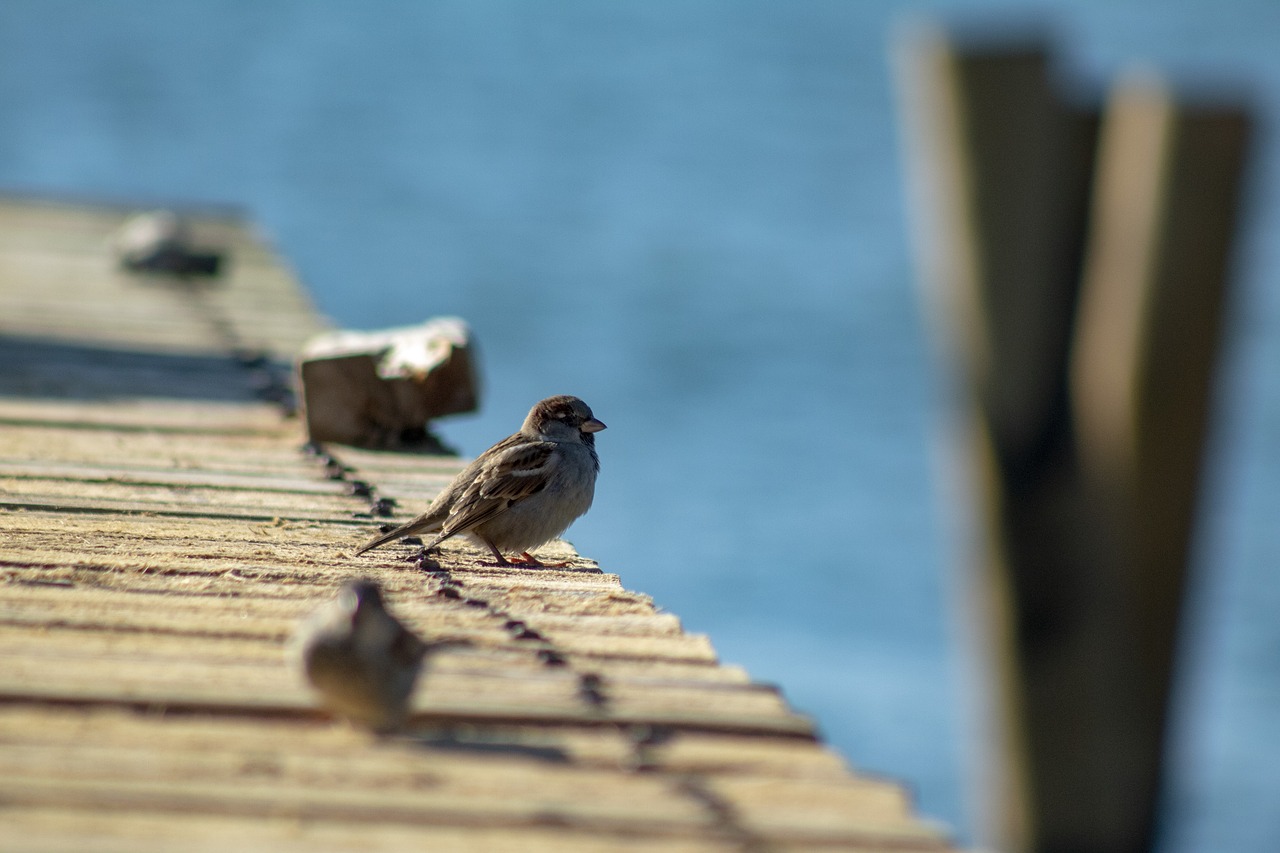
[361, 659]
[160, 242]
[524, 491]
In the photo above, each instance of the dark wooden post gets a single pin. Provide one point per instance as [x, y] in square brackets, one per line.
[1155, 278]
[1086, 424]
[1001, 166]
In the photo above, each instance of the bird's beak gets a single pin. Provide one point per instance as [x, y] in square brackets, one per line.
[592, 425]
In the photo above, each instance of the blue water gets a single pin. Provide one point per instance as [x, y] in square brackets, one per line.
[690, 214]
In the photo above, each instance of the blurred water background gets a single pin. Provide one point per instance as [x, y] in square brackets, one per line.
[690, 214]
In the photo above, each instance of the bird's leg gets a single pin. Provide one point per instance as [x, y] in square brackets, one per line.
[526, 559]
[497, 555]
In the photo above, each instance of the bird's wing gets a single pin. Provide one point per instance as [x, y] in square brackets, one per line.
[454, 496]
[507, 478]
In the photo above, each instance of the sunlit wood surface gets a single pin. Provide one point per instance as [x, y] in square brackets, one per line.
[163, 532]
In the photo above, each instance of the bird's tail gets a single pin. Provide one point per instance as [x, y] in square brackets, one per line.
[391, 535]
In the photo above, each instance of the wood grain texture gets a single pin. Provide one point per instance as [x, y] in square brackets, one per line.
[160, 548]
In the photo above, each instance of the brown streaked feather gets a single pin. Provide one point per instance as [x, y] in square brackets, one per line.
[436, 516]
[513, 475]
[518, 473]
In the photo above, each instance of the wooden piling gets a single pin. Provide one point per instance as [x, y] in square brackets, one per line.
[1155, 280]
[1085, 424]
[1001, 163]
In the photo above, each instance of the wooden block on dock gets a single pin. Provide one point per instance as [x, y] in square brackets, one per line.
[379, 389]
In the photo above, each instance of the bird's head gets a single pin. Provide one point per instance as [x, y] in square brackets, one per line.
[564, 418]
[360, 597]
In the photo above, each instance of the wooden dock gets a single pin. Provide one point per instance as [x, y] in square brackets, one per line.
[163, 532]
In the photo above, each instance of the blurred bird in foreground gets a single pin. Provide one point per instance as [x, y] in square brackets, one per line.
[360, 659]
[524, 491]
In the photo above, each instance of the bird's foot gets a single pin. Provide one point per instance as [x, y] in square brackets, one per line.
[524, 561]
[529, 561]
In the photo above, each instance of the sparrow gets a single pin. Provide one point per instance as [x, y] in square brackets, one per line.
[360, 659]
[160, 242]
[522, 492]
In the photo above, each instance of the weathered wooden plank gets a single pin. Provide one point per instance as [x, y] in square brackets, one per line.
[673, 751]
[647, 806]
[60, 829]
[386, 465]
[160, 549]
[153, 416]
[296, 481]
[25, 478]
[221, 627]
[853, 810]
[731, 754]
[207, 616]
[207, 574]
[506, 797]
[473, 647]
[75, 444]
[416, 780]
[534, 697]
[108, 548]
[53, 256]
[151, 312]
[65, 224]
[49, 830]
[57, 495]
[414, 598]
[415, 482]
